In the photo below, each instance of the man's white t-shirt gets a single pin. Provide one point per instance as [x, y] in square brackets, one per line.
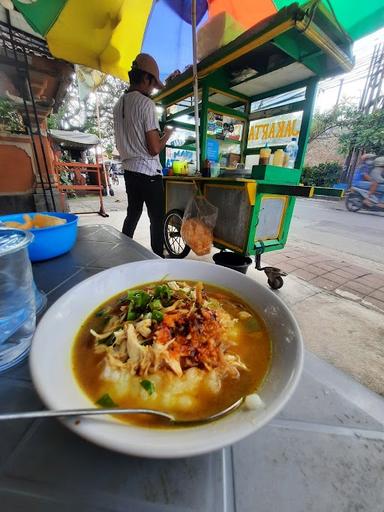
[134, 115]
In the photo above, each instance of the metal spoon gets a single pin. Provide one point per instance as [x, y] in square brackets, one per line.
[97, 412]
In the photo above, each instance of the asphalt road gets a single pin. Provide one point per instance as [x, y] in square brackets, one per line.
[329, 225]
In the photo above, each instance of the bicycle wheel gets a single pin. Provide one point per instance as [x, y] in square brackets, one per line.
[173, 240]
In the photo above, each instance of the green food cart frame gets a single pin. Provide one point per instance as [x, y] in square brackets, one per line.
[269, 73]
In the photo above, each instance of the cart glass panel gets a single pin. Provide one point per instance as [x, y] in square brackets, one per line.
[181, 106]
[181, 146]
[226, 133]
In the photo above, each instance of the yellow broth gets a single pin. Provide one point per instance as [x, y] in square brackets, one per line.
[253, 346]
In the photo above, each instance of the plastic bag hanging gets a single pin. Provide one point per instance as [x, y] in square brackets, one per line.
[198, 223]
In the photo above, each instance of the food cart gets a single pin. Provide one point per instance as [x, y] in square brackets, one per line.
[257, 90]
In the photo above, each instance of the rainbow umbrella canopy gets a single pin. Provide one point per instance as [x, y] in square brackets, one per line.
[108, 34]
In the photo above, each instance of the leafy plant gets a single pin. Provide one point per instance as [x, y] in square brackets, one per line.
[109, 150]
[54, 120]
[322, 175]
[10, 118]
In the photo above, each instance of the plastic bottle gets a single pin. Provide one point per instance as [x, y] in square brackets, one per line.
[265, 153]
[206, 172]
[191, 168]
[291, 150]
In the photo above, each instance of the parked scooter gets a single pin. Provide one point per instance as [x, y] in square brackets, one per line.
[358, 199]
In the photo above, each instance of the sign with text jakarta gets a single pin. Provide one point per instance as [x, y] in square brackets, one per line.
[276, 130]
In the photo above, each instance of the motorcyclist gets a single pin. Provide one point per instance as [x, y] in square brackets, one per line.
[377, 177]
[369, 176]
[361, 178]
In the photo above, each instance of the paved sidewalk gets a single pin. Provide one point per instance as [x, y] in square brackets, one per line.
[336, 276]
[91, 202]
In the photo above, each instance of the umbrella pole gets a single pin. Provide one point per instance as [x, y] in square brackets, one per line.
[195, 85]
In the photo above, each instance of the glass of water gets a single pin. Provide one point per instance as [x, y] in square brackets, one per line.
[17, 297]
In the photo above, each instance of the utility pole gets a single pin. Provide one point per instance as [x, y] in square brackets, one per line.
[373, 96]
[372, 99]
[339, 92]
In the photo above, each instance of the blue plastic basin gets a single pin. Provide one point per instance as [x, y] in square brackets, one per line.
[49, 242]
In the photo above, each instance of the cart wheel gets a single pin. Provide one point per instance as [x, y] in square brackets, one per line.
[173, 240]
[276, 283]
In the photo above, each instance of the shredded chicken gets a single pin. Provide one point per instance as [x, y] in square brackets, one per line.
[176, 330]
[144, 327]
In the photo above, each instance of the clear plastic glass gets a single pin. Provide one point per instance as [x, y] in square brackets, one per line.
[17, 297]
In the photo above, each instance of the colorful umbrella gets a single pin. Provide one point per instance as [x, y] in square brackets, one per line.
[108, 34]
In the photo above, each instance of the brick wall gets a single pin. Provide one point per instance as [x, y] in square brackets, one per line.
[324, 149]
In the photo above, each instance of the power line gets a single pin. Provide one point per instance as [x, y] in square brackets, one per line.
[357, 70]
[347, 79]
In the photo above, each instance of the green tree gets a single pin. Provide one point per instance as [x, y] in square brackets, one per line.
[76, 115]
[353, 128]
[325, 124]
[365, 132]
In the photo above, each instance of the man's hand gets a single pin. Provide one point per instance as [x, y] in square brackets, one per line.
[155, 143]
[168, 130]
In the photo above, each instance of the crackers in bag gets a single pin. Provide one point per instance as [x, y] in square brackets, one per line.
[197, 235]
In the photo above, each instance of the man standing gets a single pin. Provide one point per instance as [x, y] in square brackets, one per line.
[139, 142]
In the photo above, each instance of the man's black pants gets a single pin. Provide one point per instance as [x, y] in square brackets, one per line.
[149, 190]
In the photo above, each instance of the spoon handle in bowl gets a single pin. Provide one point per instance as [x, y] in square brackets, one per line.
[79, 412]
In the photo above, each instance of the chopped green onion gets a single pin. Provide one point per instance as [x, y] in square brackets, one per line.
[106, 401]
[131, 315]
[156, 304]
[100, 313]
[148, 386]
[157, 316]
[139, 298]
[163, 292]
[143, 299]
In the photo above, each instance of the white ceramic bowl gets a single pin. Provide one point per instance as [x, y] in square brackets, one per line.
[50, 360]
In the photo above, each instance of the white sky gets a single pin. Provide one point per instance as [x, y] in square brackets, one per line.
[355, 80]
